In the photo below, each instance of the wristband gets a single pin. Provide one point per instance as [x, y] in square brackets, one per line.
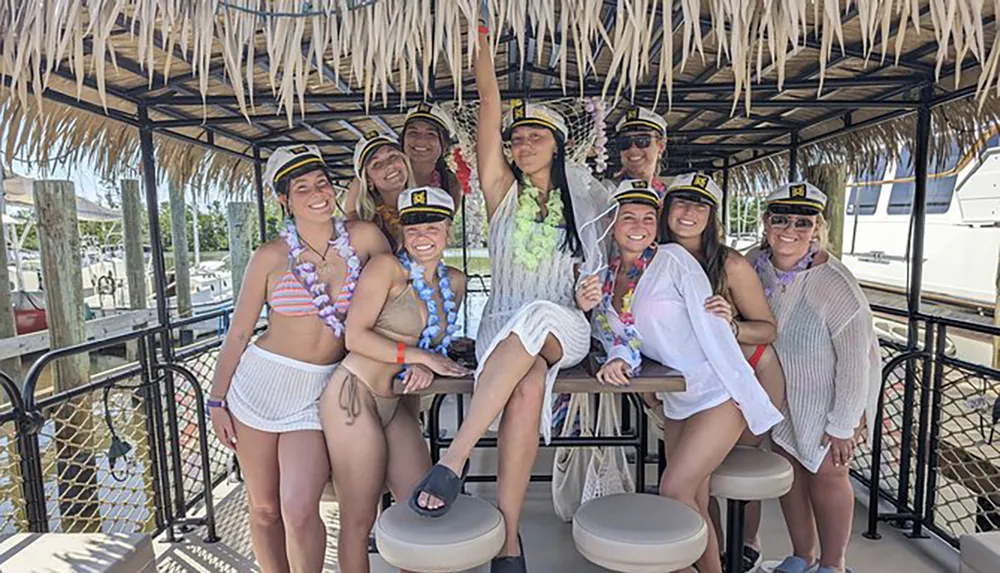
[400, 353]
[484, 30]
[213, 403]
[735, 327]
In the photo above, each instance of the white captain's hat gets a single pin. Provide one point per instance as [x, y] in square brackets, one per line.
[642, 119]
[800, 197]
[425, 205]
[523, 113]
[696, 187]
[433, 113]
[368, 145]
[289, 161]
[636, 191]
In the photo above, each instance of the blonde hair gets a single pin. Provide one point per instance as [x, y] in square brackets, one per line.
[366, 203]
[821, 233]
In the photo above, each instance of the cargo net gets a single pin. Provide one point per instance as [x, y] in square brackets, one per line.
[586, 143]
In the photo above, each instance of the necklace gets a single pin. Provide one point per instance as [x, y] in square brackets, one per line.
[781, 279]
[535, 241]
[426, 294]
[331, 311]
[630, 339]
[324, 265]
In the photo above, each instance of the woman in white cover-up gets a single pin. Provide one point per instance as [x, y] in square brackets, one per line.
[539, 211]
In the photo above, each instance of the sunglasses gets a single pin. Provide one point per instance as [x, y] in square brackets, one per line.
[626, 141]
[782, 221]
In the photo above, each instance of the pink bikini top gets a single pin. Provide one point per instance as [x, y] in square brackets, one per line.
[290, 298]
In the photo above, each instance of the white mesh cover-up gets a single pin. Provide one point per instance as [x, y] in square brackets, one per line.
[534, 304]
[275, 393]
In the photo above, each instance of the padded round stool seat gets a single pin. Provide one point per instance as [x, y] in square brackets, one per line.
[749, 474]
[469, 535]
[639, 533]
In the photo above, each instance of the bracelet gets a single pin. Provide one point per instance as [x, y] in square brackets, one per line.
[484, 30]
[735, 327]
[211, 403]
[400, 353]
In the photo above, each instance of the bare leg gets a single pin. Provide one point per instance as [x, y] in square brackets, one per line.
[798, 511]
[357, 452]
[408, 457]
[833, 503]
[258, 455]
[696, 447]
[518, 448]
[304, 469]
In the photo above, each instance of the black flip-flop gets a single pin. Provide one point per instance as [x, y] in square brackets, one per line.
[441, 483]
[510, 563]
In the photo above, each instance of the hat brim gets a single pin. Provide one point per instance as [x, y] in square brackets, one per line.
[431, 118]
[641, 125]
[532, 122]
[638, 198]
[692, 193]
[285, 176]
[421, 216]
[371, 148]
[792, 207]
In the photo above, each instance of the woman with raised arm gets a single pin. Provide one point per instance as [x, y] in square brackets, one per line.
[833, 367]
[691, 219]
[641, 140]
[383, 172]
[264, 397]
[401, 323]
[538, 209]
[653, 304]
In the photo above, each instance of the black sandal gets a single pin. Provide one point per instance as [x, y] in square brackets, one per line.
[510, 563]
[441, 483]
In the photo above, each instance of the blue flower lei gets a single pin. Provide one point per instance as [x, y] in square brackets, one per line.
[426, 294]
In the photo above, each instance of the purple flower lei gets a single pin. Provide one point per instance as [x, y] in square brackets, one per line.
[331, 311]
[781, 278]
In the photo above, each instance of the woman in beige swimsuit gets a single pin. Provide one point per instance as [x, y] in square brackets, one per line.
[402, 319]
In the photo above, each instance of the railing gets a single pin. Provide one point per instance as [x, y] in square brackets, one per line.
[130, 450]
[939, 464]
[126, 450]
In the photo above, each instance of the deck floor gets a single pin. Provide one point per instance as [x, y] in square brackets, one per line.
[548, 542]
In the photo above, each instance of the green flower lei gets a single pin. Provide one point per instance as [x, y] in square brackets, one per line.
[534, 241]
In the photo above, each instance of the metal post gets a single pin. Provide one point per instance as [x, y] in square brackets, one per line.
[793, 157]
[922, 431]
[940, 345]
[258, 179]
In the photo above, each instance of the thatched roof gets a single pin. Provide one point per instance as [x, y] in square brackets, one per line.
[738, 81]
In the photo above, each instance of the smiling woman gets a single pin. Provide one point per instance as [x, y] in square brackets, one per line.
[383, 172]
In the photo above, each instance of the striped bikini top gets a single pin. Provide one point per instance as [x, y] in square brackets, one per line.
[290, 298]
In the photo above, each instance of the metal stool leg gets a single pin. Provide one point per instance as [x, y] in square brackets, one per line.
[735, 513]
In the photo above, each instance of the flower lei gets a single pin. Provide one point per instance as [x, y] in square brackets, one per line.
[607, 334]
[426, 294]
[781, 278]
[595, 106]
[331, 312]
[534, 241]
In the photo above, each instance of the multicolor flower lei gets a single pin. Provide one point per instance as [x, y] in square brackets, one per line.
[533, 240]
[631, 335]
[426, 294]
[781, 278]
[332, 312]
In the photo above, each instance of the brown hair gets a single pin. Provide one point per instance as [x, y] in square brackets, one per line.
[713, 247]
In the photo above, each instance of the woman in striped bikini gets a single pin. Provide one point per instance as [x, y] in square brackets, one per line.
[691, 219]
[264, 397]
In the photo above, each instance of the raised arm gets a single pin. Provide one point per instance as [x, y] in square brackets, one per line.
[495, 176]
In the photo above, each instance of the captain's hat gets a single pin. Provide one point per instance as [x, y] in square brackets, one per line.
[636, 191]
[642, 119]
[433, 113]
[800, 197]
[367, 146]
[696, 187]
[298, 159]
[425, 205]
[523, 113]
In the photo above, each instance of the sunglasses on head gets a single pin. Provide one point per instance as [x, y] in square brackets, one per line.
[626, 141]
[781, 221]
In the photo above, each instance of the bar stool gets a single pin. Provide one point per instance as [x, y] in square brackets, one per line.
[468, 536]
[747, 474]
[639, 533]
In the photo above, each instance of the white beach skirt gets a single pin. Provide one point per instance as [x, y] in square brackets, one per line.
[274, 393]
[532, 323]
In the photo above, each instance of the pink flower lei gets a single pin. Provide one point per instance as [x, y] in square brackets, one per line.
[331, 312]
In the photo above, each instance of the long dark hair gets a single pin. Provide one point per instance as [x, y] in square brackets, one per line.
[441, 166]
[572, 244]
[713, 247]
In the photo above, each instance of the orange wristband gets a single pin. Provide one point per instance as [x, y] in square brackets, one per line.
[484, 30]
[400, 353]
